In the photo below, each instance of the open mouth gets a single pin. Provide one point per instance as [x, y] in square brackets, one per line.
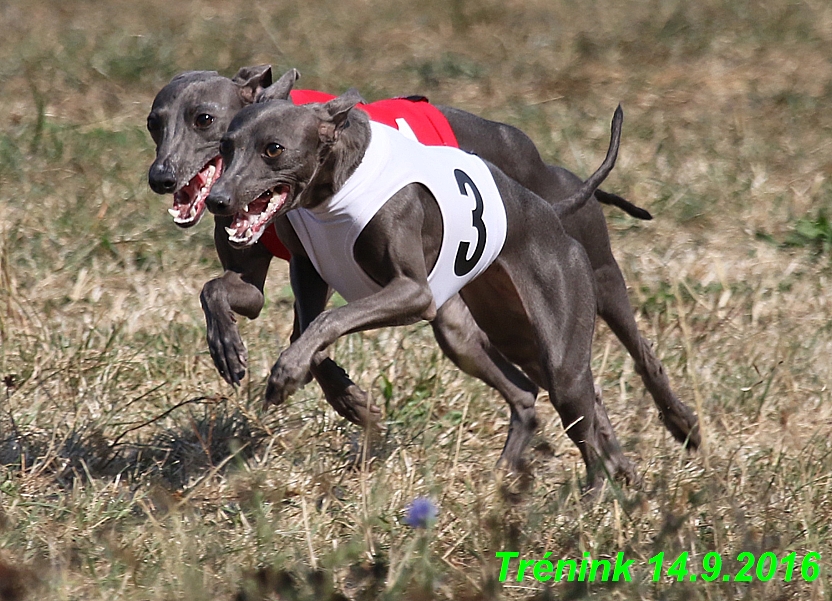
[250, 223]
[189, 201]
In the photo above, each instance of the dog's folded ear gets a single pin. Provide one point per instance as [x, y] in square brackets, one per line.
[336, 113]
[280, 89]
[252, 81]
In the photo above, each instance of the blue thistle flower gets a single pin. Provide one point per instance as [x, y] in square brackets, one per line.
[421, 513]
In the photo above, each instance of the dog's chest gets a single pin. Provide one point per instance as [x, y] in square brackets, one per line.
[473, 215]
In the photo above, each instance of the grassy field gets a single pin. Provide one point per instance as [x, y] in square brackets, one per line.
[130, 470]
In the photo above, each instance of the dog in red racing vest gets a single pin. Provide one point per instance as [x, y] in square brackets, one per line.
[192, 112]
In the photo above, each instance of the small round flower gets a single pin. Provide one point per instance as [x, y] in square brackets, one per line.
[421, 513]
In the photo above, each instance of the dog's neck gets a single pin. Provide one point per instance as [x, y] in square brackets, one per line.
[338, 162]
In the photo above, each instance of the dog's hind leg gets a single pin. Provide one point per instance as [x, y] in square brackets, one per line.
[516, 155]
[586, 422]
[572, 393]
[614, 308]
[588, 227]
[558, 296]
[609, 442]
[464, 343]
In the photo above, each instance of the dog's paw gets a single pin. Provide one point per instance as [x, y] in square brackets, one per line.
[683, 425]
[351, 403]
[275, 394]
[286, 378]
[354, 405]
[227, 350]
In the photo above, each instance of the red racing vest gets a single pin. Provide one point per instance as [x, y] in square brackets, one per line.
[413, 116]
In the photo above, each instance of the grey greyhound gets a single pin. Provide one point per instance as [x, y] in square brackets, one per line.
[187, 119]
[527, 284]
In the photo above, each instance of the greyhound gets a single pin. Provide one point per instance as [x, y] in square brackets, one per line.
[397, 253]
[187, 119]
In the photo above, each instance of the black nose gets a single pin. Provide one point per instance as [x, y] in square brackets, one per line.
[219, 202]
[161, 178]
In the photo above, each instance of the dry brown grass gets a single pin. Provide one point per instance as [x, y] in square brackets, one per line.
[726, 141]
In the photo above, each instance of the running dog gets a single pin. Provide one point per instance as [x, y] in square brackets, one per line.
[398, 228]
[187, 120]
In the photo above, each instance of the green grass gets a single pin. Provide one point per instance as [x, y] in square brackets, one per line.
[129, 470]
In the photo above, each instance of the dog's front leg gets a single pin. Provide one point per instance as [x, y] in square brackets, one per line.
[392, 256]
[311, 294]
[239, 290]
[403, 301]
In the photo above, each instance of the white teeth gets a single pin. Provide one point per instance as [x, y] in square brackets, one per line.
[193, 212]
[245, 209]
[239, 239]
[247, 238]
[173, 213]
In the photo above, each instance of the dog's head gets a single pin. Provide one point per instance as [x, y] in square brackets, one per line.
[187, 121]
[279, 156]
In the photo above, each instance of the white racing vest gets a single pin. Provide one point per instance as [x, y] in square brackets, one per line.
[473, 215]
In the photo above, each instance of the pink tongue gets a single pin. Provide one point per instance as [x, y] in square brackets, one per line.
[259, 205]
[182, 200]
[256, 208]
[186, 196]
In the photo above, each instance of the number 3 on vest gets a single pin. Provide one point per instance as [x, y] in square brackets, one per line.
[463, 265]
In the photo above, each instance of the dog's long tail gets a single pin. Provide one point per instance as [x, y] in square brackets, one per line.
[579, 198]
[625, 205]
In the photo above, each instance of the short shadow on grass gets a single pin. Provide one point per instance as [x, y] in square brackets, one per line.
[201, 441]
[81, 453]
[204, 438]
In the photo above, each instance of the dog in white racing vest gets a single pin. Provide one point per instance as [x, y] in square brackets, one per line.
[528, 285]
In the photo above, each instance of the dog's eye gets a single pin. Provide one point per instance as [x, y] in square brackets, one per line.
[154, 124]
[203, 120]
[273, 150]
